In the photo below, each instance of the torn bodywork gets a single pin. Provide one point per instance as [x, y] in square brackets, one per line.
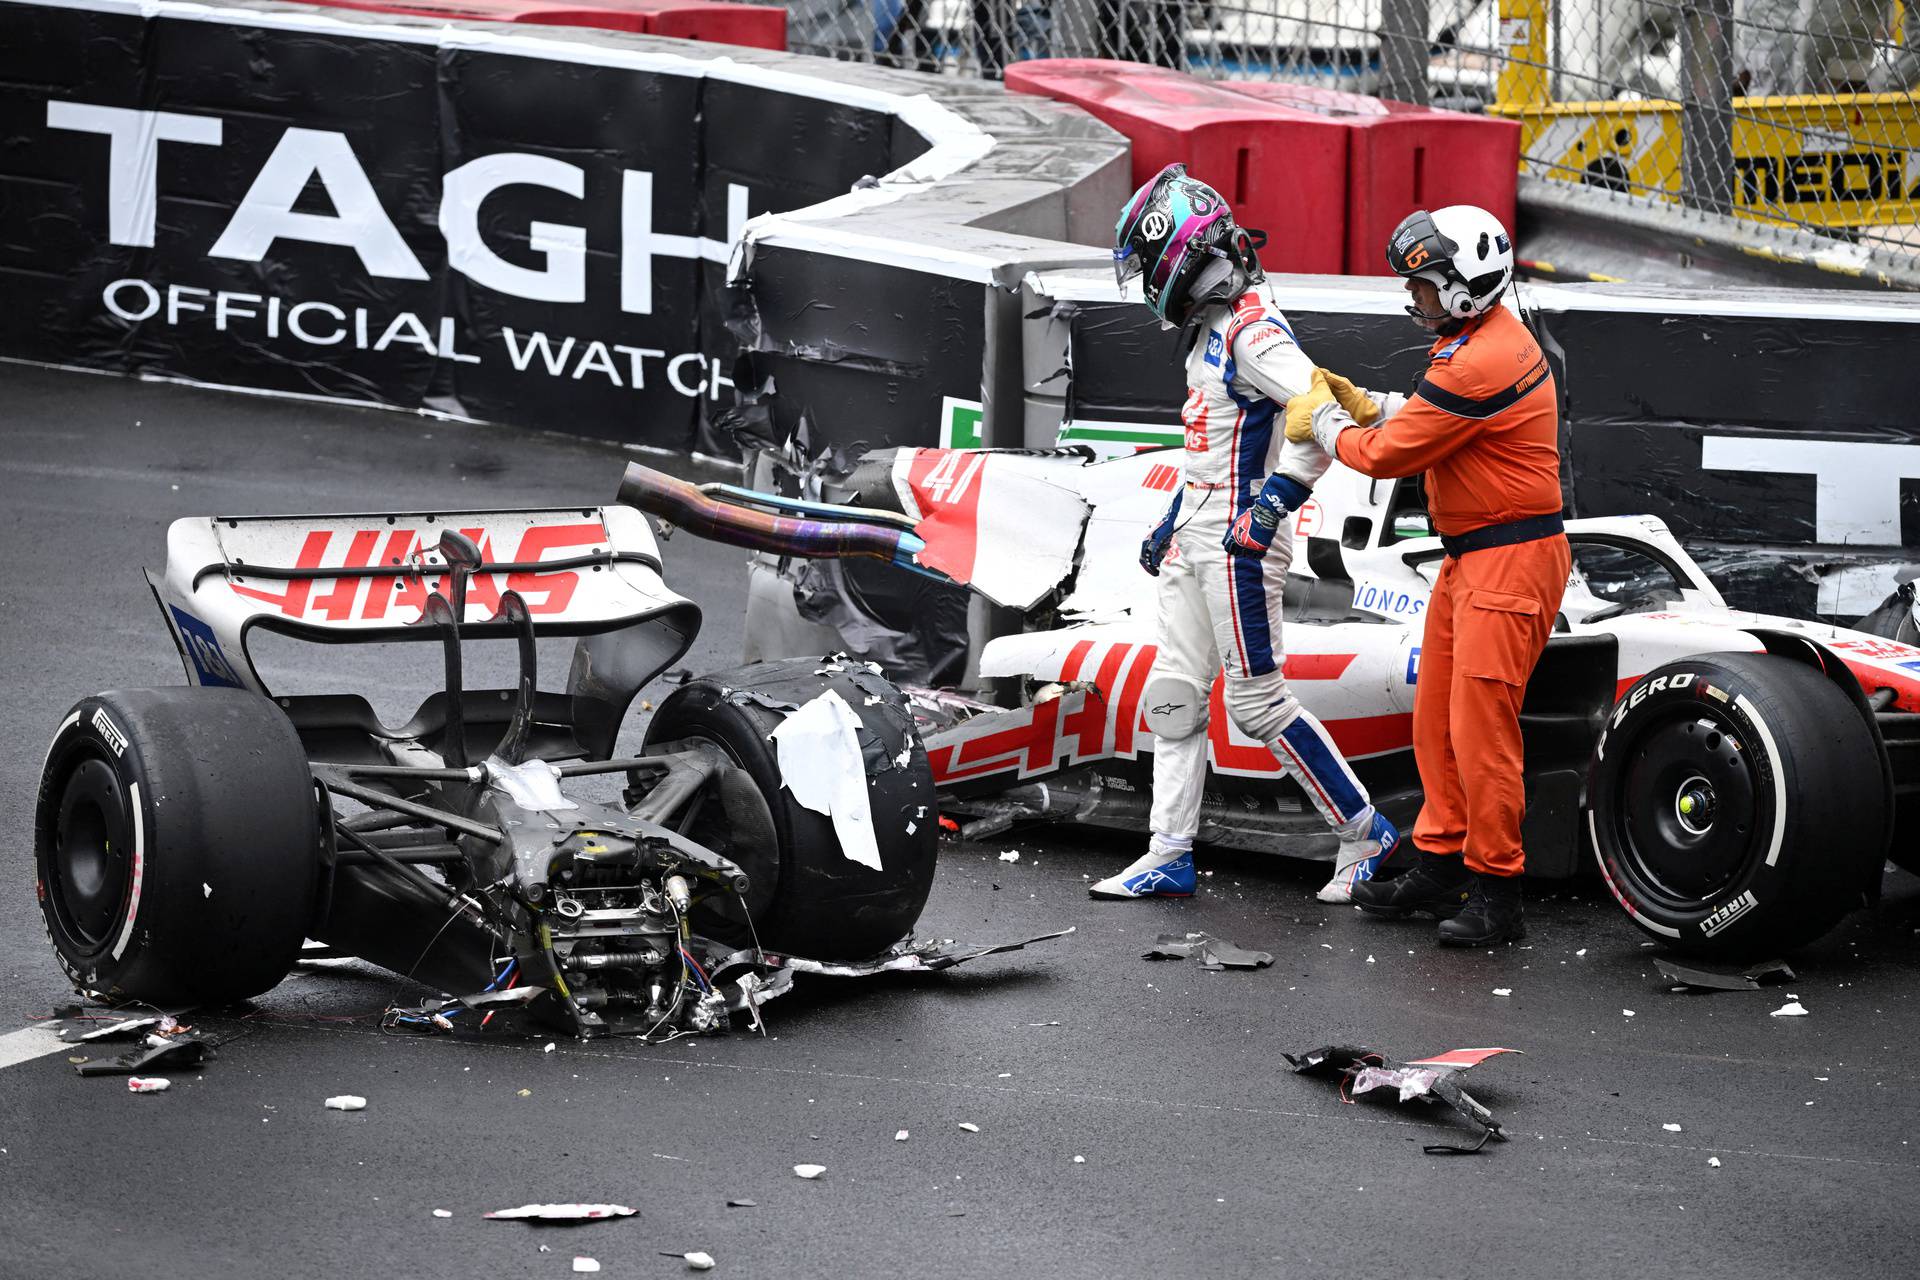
[1431, 1079]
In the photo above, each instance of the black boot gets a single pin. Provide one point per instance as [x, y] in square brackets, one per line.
[1492, 914]
[1437, 886]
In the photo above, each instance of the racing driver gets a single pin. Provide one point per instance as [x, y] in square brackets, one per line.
[1483, 425]
[1223, 566]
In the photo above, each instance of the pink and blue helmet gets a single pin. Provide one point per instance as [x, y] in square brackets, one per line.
[1168, 234]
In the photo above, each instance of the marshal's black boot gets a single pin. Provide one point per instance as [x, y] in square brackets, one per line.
[1493, 914]
[1437, 886]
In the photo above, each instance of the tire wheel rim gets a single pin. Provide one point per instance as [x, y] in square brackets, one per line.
[91, 876]
[1687, 808]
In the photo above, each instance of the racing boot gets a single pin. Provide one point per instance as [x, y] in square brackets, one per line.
[1437, 886]
[1359, 858]
[1492, 914]
[1164, 871]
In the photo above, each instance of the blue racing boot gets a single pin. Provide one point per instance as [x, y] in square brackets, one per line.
[1164, 871]
[1359, 859]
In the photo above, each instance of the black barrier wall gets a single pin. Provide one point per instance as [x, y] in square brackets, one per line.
[494, 227]
[532, 228]
[1775, 431]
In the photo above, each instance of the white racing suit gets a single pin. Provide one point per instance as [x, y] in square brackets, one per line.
[1220, 610]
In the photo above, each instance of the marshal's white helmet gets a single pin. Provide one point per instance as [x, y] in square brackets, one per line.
[1463, 250]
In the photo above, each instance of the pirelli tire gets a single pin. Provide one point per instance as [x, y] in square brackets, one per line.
[806, 896]
[1737, 805]
[176, 845]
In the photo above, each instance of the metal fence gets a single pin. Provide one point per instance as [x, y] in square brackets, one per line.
[1796, 113]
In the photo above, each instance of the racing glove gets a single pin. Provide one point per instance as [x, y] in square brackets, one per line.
[1252, 531]
[1153, 548]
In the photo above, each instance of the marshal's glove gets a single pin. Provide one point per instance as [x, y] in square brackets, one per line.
[1300, 408]
[1252, 531]
[1362, 406]
[1153, 548]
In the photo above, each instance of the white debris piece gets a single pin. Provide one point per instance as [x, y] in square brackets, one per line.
[148, 1084]
[1079, 1159]
[1671, 1128]
[566, 1212]
[900, 1136]
[1791, 1009]
[1370, 960]
[585, 1264]
[1628, 1013]
[1713, 1162]
[970, 1128]
[443, 1213]
[992, 521]
[809, 1170]
[818, 750]
[206, 890]
[1582, 951]
[347, 1102]
[1503, 991]
[699, 1261]
[1011, 855]
[549, 1048]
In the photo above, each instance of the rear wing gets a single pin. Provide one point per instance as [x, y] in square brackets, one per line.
[582, 571]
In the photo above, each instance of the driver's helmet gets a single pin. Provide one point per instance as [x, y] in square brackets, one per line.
[1463, 250]
[1178, 236]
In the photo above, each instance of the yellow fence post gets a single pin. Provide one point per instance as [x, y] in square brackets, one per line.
[1523, 50]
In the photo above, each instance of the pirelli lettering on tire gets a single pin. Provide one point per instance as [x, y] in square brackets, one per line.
[1728, 914]
[109, 732]
[1646, 689]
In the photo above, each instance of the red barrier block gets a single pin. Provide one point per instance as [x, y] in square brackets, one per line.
[1402, 157]
[1284, 170]
[753, 25]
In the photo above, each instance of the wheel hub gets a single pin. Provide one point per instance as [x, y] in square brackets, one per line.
[1694, 806]
[1689, 805]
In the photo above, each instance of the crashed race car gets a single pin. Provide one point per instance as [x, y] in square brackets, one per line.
[1739, 779]
[778, 819]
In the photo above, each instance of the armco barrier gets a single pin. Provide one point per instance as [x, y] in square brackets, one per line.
[754, 26]
[1283, 170]
[1401, 157]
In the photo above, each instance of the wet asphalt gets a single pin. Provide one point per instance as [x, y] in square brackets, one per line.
[1200, 1155]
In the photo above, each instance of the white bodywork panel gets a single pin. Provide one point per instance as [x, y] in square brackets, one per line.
[211, 602]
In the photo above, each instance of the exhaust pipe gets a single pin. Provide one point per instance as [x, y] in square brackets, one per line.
[682, 504]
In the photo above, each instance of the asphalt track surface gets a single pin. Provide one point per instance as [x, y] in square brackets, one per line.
[1202, 1156]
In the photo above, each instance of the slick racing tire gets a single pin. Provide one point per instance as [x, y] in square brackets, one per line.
[176, 845]
[1737, 805]
[806, 896]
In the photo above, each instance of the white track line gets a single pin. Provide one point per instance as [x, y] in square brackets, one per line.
[29, 1043]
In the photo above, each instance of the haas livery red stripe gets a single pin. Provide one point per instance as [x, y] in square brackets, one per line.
[372, 599]
[1101, 719]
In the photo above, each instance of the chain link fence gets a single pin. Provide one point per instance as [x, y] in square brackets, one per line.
[1792, 113]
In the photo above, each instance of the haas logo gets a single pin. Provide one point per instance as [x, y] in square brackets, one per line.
[1156, 225]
